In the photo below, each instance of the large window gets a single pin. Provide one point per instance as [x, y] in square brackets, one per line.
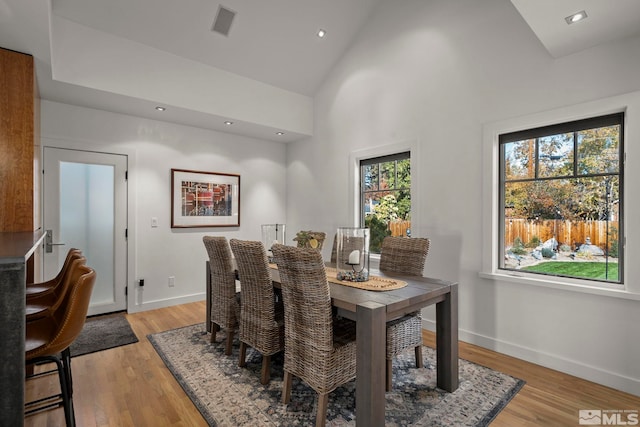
[385, 197]
[561, 199]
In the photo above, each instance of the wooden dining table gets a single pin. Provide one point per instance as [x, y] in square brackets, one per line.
[371, 310]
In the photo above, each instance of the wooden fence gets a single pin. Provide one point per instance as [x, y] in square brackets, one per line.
[572, 233]
[399, 228]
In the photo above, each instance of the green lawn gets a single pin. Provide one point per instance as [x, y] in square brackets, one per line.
[590, 270]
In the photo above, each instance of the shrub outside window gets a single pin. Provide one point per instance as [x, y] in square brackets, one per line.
[561, 199]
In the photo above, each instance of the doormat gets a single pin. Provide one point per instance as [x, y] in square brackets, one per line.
[103, 332]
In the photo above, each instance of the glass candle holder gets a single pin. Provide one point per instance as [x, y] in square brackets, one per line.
[273, 233]
[352, 254]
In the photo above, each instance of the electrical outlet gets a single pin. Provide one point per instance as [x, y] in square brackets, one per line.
[172, 281]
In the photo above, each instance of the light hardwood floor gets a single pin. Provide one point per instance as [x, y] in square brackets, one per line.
[130, 385]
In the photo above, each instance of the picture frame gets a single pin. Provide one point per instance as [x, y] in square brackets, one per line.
[204, 199]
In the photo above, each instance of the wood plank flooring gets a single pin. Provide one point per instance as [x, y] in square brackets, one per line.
[130, 385]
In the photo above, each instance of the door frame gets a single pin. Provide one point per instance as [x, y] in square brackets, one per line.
[134, 296]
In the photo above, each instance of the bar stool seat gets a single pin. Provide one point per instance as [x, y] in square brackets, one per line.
[42, 288]
[45, 304]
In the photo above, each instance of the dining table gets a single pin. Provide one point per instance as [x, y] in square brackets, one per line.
[371, 310]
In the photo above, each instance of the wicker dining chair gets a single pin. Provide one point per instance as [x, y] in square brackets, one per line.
[225, 301]
[261, 318]
[318, 348]
[406, 256]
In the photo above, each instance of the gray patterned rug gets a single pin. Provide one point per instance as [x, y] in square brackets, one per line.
[227, 395]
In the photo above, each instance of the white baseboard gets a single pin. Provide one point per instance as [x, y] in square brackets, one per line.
[167, 302]
[551, 361]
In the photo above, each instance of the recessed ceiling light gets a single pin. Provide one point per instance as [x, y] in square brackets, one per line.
[279, 133]
[578, 16]
[321, 33]
[160, 108]
[228, 123]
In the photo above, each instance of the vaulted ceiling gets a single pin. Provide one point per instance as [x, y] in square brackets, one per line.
[131, 56]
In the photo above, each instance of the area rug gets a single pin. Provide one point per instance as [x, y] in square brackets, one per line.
[227, 395]
[103, 332]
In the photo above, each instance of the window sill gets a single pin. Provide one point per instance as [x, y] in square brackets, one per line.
[571, 287]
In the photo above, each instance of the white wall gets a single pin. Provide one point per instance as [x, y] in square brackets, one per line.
[153, 148]
[434, 73]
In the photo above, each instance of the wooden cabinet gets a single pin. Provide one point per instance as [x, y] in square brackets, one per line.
[19, 148]
[19, 218]
[19, 143]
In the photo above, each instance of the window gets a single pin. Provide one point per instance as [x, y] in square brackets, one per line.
[560, 196]
[385, 197]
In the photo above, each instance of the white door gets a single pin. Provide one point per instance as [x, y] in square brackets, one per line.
[85, 207]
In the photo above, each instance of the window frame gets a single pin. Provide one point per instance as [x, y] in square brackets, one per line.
[575, 126]
[628, 103]
[377, 161]
[356, 156]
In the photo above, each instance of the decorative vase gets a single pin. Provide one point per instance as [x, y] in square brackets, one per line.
[352, 254]
[273, 233]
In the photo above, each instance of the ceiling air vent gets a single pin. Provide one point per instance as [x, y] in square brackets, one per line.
[222, 23]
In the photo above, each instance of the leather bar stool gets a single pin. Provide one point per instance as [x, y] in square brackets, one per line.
[45, 303]
[48, 340]
[42, 288]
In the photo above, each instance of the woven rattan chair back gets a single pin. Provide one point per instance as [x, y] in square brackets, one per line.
[307, 301]
[404, 255]
[225, 308]
[261, 325]
[319, 349]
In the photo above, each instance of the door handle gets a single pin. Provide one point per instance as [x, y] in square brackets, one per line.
[48, 242]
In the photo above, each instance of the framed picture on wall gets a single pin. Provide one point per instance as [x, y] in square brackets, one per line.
[204, 199]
